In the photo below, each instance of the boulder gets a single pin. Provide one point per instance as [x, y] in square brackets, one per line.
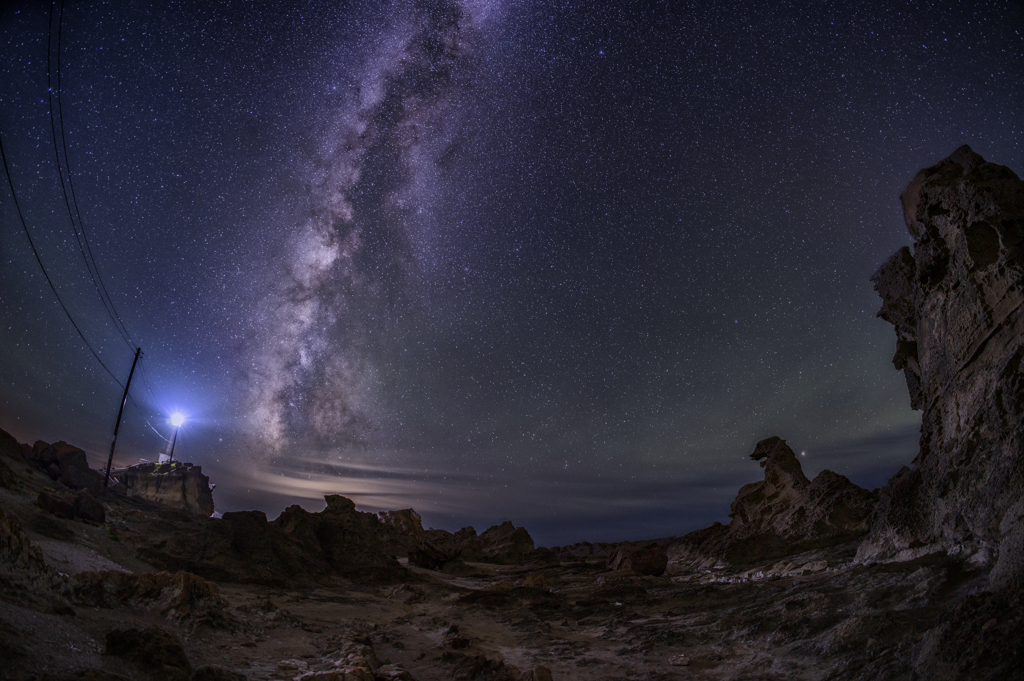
[83, 479]
[56, 504]
[68, 464]
[87, 507]
[956, 302]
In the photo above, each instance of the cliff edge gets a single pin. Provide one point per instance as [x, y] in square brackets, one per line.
[955, 304]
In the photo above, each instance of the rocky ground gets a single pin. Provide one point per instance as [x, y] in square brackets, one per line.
[86, 601]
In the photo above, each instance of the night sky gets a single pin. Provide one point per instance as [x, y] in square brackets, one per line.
[562, 264]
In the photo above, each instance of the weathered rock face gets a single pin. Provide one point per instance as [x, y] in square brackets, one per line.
[173, 483]
[956, 305]
[504, 543]
[298, 547]
[405, 521]
[67, 464]
[434, 549]
[156, 651]
[826, 510]
[782, 514]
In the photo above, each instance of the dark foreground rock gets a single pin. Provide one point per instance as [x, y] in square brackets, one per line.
[157, 652]
[298, 547]
[66, 464]
[956, 305]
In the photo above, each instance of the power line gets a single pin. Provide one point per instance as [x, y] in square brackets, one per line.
[71, 184]
[145, 381]
[39, 260]
[97, 279]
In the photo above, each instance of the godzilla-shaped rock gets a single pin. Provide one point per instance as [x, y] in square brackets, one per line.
[784, 513]
[956, 305]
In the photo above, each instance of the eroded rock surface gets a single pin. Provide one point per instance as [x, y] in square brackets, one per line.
[784, 513]
[174, 484]
[955, 303]
[297, 547]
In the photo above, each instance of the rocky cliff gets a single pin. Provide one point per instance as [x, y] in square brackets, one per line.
[173, 483]
[955, 303]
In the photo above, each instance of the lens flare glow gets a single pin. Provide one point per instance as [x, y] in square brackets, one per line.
[177, 418]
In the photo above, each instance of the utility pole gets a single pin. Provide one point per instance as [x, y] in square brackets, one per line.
[117, 426]
[177, 418]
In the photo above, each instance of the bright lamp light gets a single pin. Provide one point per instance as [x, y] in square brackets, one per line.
[177, 418]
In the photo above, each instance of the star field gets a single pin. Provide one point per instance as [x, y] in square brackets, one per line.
[560, 264]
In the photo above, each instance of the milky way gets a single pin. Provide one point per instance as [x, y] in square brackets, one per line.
[357, 262]
[551, 263]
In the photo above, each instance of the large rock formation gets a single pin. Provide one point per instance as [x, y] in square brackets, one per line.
[955, 303]
[66, 464]
[175, 484]
[782, 514]
[298, 547]
[504, 543]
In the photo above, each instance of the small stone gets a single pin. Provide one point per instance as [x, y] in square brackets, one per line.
[679, 661]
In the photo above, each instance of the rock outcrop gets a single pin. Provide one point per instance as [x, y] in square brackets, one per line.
[649, 560]
[175, 484]
[504, 543]
[83, 505]
[25, 578]
[956, 304]
[298, 547]
[433, 549]
[180, 597]
[782, 514]
[157, 652]
[68, 465]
